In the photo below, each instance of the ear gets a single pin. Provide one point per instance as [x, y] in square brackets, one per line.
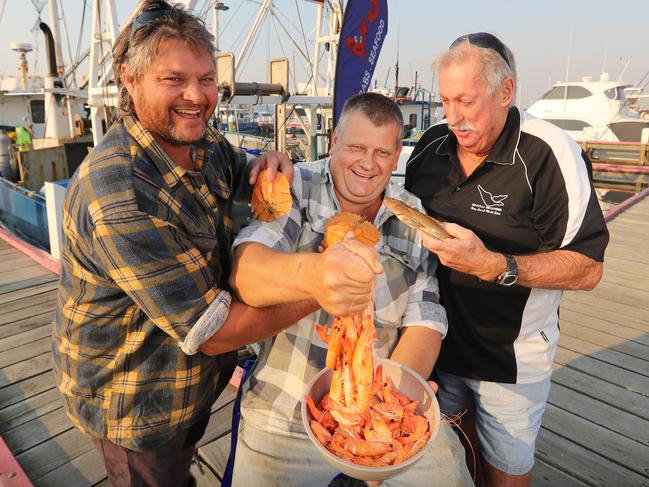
[507, 92]
[126, 79]
[334, 140]
[396, 157]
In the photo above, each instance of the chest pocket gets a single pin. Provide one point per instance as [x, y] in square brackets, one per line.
[392, 286]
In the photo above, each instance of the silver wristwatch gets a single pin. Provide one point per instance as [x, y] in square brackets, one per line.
[510, 276]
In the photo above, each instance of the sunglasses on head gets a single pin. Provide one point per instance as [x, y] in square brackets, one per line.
[155, 12]
[485, 40]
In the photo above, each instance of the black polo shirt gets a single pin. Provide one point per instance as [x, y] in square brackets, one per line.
[533, 193]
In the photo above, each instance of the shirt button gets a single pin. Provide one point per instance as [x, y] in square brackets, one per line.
[457, 189]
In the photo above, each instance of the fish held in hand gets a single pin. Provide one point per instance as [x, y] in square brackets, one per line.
[416, 219]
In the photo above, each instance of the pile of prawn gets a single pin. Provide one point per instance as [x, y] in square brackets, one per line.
[363, 419]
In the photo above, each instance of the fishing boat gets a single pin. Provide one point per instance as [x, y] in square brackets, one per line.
[44, 136]
[592, 110]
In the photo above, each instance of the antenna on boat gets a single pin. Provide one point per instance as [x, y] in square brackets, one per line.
[396, 66]
[565, 91]
[626, 65]
[605, 55]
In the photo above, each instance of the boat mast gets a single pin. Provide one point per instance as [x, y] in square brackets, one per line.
[54, 20]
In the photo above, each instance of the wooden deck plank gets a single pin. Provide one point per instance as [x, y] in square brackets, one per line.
[27, 324]
[17, 414]
[605, 310]
[606, 340]
[204, 476]
[596, 368]
[11, 277]
[614, 395]
[606, 355]
[216, 453]
[25, 389]
[28, 336]
[85, 470]
[600, 413]
[20, 353]
[627, 453]
[56, 451]
[20, 262]
[586, 465]
[26, 307]
[25, 369]
[545, 475]
[28, 283]
[37, 430]
[35, 290]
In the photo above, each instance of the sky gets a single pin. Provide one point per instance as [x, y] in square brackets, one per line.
[549, 38]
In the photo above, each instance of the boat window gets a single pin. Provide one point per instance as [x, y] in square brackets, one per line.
[37, 107]
[616, 93]
[568, 124]
[573, 93]
[629, 131]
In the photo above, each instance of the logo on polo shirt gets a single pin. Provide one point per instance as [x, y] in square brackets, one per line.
[491, 203]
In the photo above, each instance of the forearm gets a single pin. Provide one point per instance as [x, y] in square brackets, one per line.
[559, 269]
[246, 324]
[264, 277]
[418, 348]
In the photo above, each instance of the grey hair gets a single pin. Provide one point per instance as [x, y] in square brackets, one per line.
[138, 53]
[380, 109]
[493, 68]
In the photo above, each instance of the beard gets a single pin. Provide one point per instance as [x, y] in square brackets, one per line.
[173, 136]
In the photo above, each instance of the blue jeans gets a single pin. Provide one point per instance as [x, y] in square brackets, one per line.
[508, 416]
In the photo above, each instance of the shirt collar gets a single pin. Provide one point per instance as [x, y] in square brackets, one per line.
[504, 150]
[171, 171]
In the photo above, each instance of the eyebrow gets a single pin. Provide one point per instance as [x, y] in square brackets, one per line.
[172, 72]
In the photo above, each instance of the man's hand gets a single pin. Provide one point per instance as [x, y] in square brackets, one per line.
[273, 161]
[345, 275]
[466, 253]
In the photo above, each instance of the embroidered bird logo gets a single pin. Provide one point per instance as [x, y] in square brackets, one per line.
[489, 199]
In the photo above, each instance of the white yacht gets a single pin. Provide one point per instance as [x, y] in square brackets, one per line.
[591, 110]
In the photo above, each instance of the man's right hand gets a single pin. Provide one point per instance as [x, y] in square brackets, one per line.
[344, 277]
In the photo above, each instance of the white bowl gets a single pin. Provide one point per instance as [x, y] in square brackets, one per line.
[404, 380]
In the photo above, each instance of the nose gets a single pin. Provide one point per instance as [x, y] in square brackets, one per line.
[453, 116]
[194, 92]
[367, 159]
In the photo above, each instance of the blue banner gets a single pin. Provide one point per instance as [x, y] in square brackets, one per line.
[364, 28]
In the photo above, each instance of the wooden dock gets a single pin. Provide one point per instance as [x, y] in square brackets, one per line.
[595, 429]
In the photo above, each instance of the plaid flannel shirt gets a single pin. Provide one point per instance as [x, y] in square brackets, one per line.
[406, 295]
[146, 250]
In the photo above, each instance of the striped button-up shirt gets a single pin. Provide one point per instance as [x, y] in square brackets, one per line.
[406, 295]
[146, 249]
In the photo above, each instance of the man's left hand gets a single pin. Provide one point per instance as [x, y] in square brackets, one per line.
[273, 161]
[466, 253]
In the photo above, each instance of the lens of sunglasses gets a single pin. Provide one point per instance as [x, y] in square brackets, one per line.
[484, 40]
[157, 11]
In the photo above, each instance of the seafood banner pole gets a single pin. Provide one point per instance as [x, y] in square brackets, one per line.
[364, 28]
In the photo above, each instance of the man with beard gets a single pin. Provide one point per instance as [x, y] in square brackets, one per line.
[526, 225]
[146, 331]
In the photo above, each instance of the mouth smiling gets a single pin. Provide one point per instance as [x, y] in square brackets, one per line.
[188, 113]
[362, 176]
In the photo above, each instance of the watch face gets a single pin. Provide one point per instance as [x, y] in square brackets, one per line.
[509, 279]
